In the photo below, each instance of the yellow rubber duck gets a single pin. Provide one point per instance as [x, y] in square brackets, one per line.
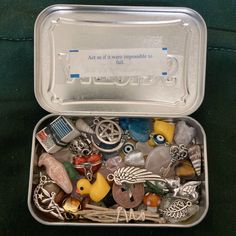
[97, 191]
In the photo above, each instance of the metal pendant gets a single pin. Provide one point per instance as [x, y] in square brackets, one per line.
[179, 210]
[109, 134]
[132, 175]
[45, 201]
[88, 165]
[177, 153]
[81, 146]
[187, 190]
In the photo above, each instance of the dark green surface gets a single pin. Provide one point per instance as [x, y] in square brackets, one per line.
[19, 112]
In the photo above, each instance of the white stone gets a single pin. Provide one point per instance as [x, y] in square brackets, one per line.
[184, 134]
[158, 158]
[145, 148]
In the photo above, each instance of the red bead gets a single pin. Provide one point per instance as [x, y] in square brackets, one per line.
[92, 159]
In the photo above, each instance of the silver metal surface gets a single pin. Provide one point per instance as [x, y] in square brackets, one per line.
[61, 28]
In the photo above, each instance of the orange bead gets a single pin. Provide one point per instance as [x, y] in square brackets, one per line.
[152, 200]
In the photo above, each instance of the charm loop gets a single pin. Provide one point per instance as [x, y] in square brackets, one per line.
[110, 177]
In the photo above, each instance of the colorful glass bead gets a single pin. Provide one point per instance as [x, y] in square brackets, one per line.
[163, 132]
[152, 201]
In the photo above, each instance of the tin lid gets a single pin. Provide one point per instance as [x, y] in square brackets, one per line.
[111, 60]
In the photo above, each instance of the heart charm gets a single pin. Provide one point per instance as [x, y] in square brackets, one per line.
[88, 165]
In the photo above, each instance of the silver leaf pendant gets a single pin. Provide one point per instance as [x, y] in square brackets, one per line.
[179, 210]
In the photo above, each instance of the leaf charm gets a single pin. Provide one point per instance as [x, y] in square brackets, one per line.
[178, 210]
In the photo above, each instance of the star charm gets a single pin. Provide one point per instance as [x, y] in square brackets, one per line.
[40, 196]
[108, 132]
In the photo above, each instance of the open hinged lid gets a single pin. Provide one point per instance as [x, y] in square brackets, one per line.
[130, 61]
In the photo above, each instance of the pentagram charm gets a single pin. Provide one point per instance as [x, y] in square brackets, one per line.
[108, 132]
[109, 136]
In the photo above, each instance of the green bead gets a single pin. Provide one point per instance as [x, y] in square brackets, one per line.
[73, 174]
[155, 188]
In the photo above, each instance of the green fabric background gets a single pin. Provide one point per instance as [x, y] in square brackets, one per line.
[19, 112]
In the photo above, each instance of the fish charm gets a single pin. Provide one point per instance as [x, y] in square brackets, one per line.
[132, 175]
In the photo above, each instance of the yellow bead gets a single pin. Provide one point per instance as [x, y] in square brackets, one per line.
[151, 142]
[71, 205]
[164, 128]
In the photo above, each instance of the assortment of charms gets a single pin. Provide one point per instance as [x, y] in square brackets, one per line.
[118, 169]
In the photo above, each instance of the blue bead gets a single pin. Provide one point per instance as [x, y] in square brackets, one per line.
[124, 123]
[140, 129]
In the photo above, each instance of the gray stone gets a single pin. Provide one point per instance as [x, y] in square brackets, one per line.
[134, 158]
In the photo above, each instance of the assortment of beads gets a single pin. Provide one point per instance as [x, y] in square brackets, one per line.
[139, 169]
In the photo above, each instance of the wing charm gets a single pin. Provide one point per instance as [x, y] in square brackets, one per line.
[133, 175]
[189, 189]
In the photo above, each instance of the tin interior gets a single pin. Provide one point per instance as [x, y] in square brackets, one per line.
[62, 28]
[47, 219]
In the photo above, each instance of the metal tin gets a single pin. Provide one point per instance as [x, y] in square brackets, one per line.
[174, 37]
[134, 88]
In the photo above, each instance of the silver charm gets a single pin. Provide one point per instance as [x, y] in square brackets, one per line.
[110, 134]
[177, 153]
[179, 210]
[188, 190]
[87, 168]
[81, 146]
[132, 175]
[48, 203]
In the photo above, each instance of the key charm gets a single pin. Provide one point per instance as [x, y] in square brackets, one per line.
[177, 153]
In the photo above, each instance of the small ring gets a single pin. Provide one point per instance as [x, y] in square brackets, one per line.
[110, 177]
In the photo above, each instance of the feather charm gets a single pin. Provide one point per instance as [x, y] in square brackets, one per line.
[132, 175]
